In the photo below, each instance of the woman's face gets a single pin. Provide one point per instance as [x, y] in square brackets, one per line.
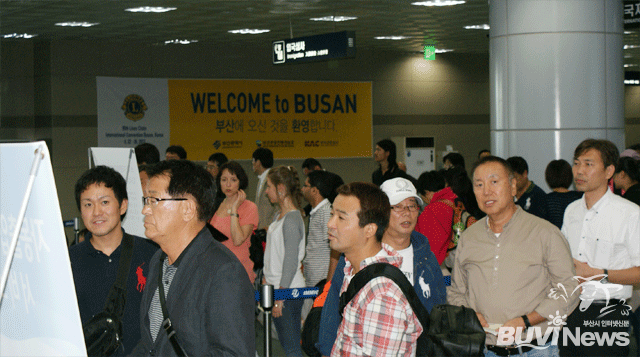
[271, 191]
[379, 154]
[229, 183]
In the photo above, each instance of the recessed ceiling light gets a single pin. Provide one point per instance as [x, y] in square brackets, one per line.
[438, 3]
[333, 18]
[18, 35]
[630, 65]
[249, 31]
[478, 27]
[156, 9]
[77, 24]
[179, 42]
[628, 47]
[628, 32]
[395, 38]
[441, 50]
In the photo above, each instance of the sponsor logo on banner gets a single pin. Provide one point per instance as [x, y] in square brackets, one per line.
[295, 293]
[134, 107]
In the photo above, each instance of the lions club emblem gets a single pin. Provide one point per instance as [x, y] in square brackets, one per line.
[134, 107]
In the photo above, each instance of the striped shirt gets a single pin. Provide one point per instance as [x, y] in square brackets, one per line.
[317, 256]
[155, 310]
[378, 321]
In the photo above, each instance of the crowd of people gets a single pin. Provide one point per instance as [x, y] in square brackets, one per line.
[511, 249]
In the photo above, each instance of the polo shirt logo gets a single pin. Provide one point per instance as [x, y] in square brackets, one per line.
[142, 281]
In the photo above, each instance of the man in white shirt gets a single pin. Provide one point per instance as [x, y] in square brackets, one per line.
[262, 161]
[603, 231]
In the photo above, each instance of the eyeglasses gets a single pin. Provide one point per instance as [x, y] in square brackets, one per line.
[153, 201]
[400, 209]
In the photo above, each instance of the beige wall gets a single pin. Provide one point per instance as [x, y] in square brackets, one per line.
[48, 91]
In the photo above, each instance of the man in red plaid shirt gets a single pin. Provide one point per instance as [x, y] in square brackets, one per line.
[378, 321]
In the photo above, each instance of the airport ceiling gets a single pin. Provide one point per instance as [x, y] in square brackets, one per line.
[209, 22]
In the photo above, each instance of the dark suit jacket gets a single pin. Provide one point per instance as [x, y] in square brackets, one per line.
[210, 302]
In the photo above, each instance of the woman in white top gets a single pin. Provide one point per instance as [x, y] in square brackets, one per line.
[284, 253]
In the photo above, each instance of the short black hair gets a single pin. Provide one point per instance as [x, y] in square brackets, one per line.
[518, 164]
[322, 180]
[374, 205]
[144, 168]
[236, 169]
[635, 147]
[432, 181]
[218, 157]
[608, 150]
[147, 153]
[265, 156]
[558, 174]
[187, 178]
[630, 166]
[178, 150]
[310, 163]
[496, 159]
[105, 175]
[454, 158]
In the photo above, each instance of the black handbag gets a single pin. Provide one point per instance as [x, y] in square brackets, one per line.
[448, 331]
[311, 327]
[103, 332]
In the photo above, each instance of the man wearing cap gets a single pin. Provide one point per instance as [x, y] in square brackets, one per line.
[419, 263]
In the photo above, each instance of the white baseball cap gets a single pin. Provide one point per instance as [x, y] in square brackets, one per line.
[398, 189]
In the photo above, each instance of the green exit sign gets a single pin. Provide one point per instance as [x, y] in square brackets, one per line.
[430, 53]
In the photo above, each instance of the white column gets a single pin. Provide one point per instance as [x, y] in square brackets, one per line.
[556, 78]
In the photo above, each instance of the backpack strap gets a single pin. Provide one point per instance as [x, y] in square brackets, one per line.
[397, 276]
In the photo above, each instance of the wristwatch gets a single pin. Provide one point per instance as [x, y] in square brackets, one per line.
[605, 280]
[525, 318]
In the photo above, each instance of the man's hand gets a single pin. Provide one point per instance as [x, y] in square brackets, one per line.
[515, 323]
[584, 270]
[483, 322]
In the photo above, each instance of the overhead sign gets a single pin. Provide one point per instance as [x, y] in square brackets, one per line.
[293, 119]
[631, 14]
[315, 48]
[39, 311]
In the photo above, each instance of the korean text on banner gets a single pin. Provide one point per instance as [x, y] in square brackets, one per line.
[293, 119]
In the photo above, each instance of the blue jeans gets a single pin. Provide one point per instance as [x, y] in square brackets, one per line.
[288, 327]
[550, 351]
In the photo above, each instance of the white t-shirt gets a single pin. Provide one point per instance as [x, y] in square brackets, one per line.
[407, 262]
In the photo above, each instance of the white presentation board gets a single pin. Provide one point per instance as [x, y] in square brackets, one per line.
[124, 161]
[39, 312]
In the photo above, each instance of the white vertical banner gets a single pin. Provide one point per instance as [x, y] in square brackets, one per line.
[39, 310]
[124, 161]
[133, 111]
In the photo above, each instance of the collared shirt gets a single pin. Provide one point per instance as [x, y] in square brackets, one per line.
[317, 256]
[511, 275]
[378, 321]
[261, 181]
[607, 236]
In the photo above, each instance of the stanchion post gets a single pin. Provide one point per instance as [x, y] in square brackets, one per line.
[76, 231]
[266, 301]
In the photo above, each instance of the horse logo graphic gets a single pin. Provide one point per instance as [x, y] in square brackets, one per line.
[426, 290]
[142, 281]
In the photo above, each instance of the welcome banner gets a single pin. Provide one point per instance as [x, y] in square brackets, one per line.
[293, 119]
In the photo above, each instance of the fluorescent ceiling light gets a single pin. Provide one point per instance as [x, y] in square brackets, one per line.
[77, 24]
[628, 47]
[438, 3]
[478, 27]
[179, 42]
[18, 35]
[249, 31]
[628, 32]
[333, 18]
[440, 50]
[156, 9]
[630, 65]
[628, 56]
[395, 38]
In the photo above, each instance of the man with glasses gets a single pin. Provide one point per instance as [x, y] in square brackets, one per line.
[101, 196]
[419, 263]
[209, 298]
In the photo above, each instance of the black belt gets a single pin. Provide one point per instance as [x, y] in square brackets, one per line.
[508, 350]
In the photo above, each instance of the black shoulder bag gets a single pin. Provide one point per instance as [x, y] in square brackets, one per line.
[449, 330]
[166, 323]
[103, 332]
